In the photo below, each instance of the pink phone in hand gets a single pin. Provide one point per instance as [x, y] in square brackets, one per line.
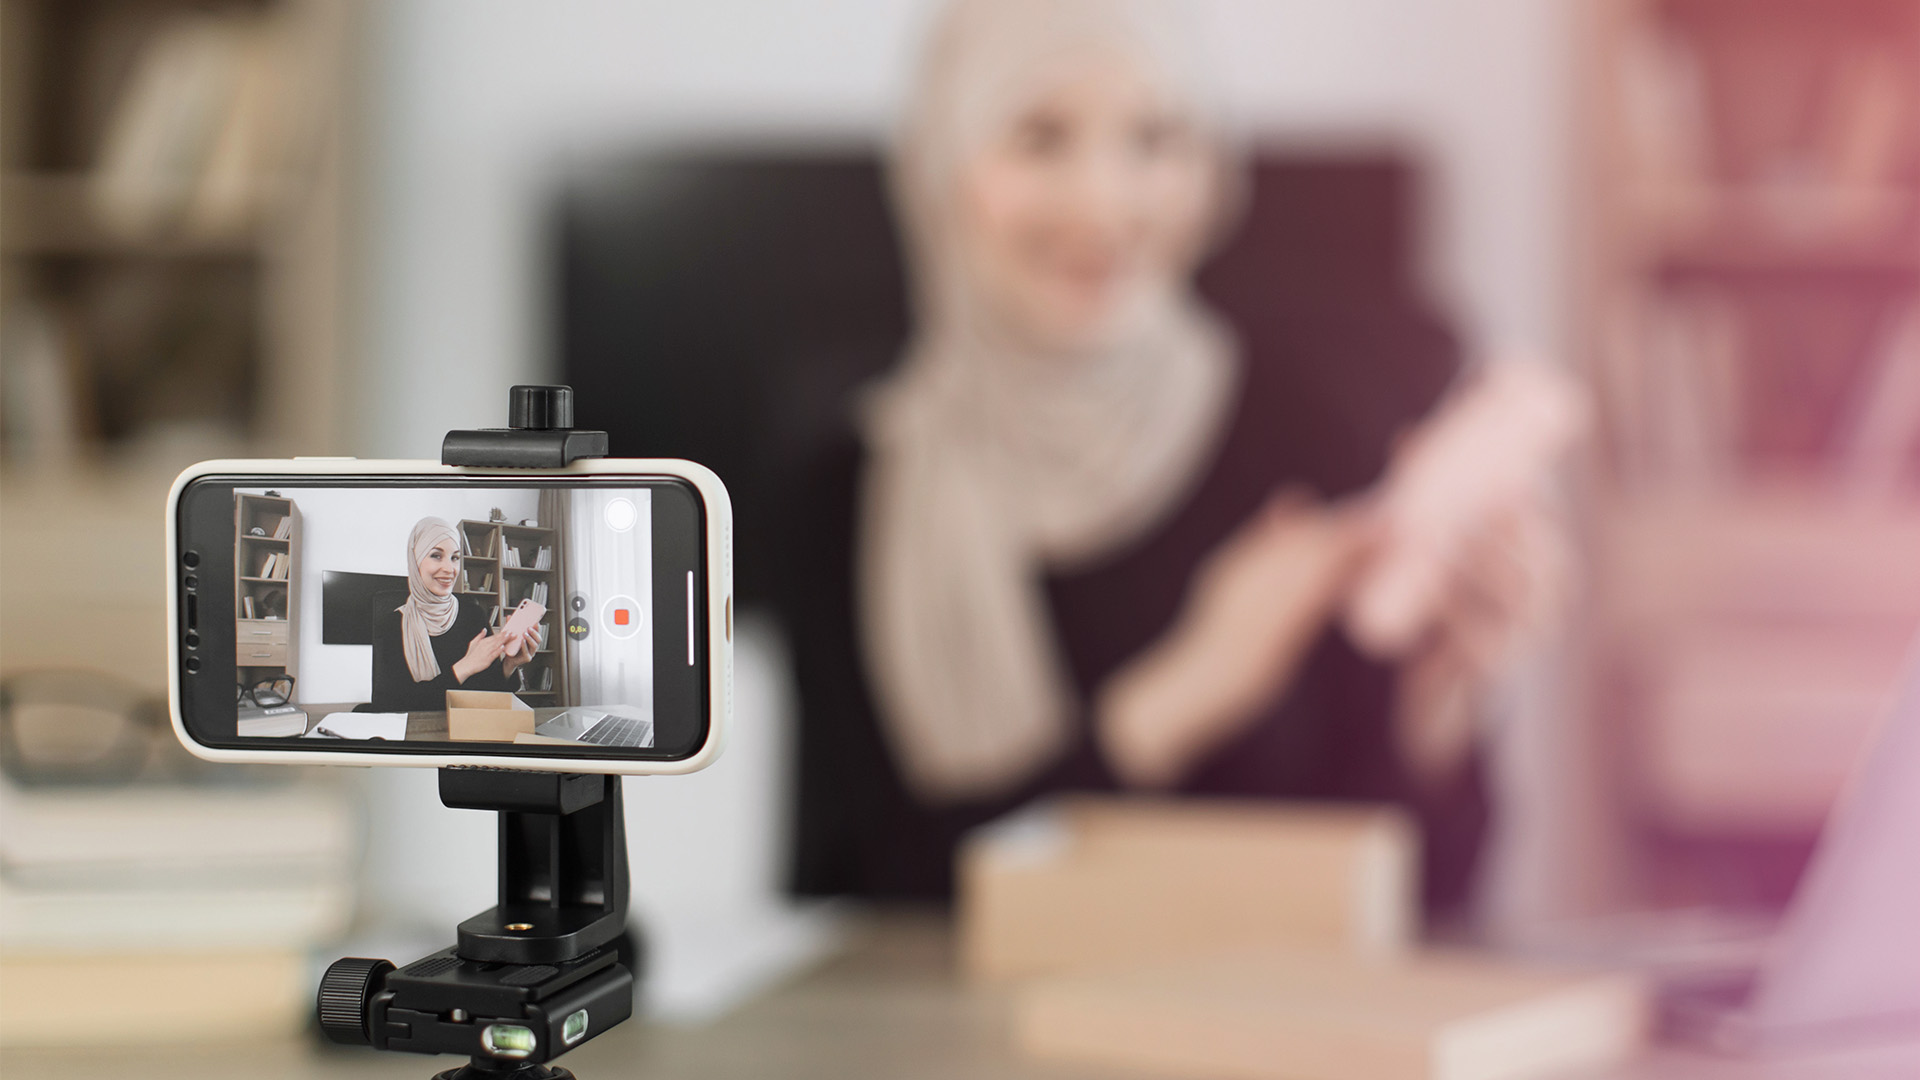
[524, 618]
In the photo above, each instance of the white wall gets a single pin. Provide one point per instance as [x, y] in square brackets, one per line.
[364, 530]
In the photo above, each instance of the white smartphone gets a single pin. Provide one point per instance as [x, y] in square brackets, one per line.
[365, 590]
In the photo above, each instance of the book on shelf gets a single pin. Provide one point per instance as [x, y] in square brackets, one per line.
[162, 129]
[486, 583]
[284, 530]
[247, 608]
[543, 560]
[509, 555]
[1676, 387]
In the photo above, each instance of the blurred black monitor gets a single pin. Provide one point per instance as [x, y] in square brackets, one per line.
[347, 604]
[724, 306]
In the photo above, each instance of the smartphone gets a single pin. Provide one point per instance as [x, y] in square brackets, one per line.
[523, 619]
[351, 603]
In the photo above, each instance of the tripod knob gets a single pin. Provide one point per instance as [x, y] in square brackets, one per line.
[345, 990]
[540, 407]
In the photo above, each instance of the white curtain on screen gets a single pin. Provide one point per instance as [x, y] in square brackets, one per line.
[609, 584]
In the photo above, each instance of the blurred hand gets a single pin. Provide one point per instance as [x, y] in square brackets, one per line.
[1252, 609]
[1507, 585]
[482, 651]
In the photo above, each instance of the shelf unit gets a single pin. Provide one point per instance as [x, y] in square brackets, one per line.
[174, 252]
[503, 587]
[264, 644]
[1749, 301]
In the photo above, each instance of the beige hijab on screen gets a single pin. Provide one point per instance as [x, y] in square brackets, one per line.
[993, 460]
[426, 615]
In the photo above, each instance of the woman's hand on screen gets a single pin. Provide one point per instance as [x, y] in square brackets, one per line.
[520, 649]
[482, 652]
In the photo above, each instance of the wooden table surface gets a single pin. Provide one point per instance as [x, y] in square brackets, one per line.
[888, 1006]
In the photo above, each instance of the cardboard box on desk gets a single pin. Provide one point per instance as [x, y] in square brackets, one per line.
[1093, 883]
[1327, 1015]
[487, 716]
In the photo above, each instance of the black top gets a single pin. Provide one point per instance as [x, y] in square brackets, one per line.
[393, 687]
[1322, 398]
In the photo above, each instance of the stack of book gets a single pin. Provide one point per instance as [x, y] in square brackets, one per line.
[1221, 940]
[172, 913]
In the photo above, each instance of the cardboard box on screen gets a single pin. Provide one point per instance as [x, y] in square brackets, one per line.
[487, 716]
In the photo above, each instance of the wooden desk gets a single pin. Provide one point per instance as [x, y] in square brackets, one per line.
[423, 726]
[888, 1008]
[432, 726]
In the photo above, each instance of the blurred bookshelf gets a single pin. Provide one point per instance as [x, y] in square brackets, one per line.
[174, 186]
[1750, 307]
[176, 201]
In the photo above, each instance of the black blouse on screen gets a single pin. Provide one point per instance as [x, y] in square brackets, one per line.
[1321, 401]
[393, 687]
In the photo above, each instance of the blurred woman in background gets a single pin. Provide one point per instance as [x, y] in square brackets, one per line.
[1100, 536]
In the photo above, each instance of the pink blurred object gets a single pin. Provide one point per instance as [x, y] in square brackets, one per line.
[1756, 643]
[1850, 951]
[1490, 447]
[1846, 965]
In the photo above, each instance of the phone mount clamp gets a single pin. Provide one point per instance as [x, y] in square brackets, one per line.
[539, 973]
[539, 435]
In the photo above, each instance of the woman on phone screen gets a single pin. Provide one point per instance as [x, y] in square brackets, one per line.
[438, 640]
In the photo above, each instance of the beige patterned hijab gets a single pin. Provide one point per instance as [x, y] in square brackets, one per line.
[426, 615]
[994, 460]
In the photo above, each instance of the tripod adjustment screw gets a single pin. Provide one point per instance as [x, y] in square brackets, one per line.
[540, 408]
[345, 990]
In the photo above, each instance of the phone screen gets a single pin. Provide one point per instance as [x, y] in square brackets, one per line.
[390, 614]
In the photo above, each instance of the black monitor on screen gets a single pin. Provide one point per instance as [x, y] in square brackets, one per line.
[346, 604]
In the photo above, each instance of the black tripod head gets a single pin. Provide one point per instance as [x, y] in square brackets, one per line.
[532, 977]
